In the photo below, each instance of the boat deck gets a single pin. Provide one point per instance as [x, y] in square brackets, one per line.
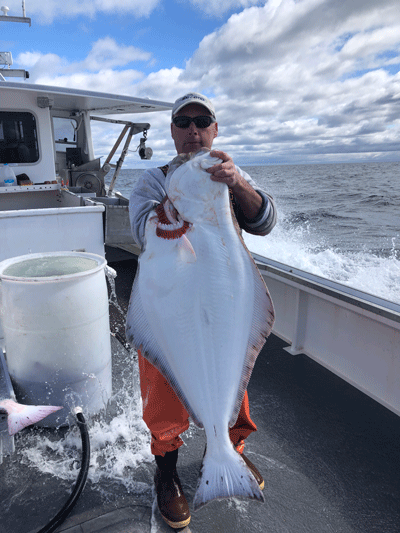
[329, 455]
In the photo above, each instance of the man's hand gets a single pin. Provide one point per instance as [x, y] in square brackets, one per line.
[248, 199]
[224, 172]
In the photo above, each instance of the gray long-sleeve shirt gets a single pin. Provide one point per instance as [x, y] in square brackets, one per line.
[150, 191]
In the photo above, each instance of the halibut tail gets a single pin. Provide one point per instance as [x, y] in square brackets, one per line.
[225, 476]
[20, 416]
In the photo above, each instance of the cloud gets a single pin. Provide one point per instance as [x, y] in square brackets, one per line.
[165, 84]
[45, 12]
[313, 72]
[106, 80]
[106, 53]
[41, 65]
[98, 71]
[296, 35]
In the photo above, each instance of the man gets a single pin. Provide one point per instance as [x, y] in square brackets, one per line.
[193, 127]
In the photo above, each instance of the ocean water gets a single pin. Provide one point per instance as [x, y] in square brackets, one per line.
[338, 221]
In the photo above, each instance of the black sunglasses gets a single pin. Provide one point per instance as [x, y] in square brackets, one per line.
[199, 122]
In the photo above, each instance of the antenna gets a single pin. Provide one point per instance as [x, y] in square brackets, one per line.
[6, 18]
[6, 57]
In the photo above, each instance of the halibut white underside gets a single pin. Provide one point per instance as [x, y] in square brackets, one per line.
[200, 312]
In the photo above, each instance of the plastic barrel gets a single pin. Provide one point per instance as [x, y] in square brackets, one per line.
[54, 312]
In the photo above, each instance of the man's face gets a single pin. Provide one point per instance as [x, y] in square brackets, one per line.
[193, 138]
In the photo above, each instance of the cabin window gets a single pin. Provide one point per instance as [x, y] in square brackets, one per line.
[65, 135]
[18, 137]
[64, 132]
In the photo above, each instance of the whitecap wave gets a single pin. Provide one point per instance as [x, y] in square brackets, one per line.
[362, 270]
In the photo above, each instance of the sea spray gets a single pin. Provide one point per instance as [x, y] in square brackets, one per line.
[113, 300]
[119, 439]
[368, 271]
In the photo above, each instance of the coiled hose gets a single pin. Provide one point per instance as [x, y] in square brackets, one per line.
[81, 480]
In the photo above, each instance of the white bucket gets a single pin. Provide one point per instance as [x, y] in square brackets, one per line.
[54, 311]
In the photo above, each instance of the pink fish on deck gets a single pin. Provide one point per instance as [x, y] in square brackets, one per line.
[20, 416]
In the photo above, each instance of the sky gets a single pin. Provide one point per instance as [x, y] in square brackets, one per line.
[293, 81]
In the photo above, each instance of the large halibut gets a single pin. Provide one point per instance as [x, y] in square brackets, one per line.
[200, 312]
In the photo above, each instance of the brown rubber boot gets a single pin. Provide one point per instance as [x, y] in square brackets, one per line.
[170, 498]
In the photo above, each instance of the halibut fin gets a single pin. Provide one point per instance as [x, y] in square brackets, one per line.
[186, 252]
[263, 320]
[225, 476]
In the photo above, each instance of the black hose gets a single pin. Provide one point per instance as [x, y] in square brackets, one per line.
[80, 482]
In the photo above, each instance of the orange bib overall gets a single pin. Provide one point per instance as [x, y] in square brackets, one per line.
[166, 417]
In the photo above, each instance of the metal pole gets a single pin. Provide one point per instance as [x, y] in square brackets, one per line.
[117, 143]
[131, 133]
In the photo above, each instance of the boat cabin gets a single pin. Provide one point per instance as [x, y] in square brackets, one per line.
[46, 138]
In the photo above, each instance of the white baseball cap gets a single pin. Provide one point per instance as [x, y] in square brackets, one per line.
[193, 98]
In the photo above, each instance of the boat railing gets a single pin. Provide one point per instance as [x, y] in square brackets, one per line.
[354, 334]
